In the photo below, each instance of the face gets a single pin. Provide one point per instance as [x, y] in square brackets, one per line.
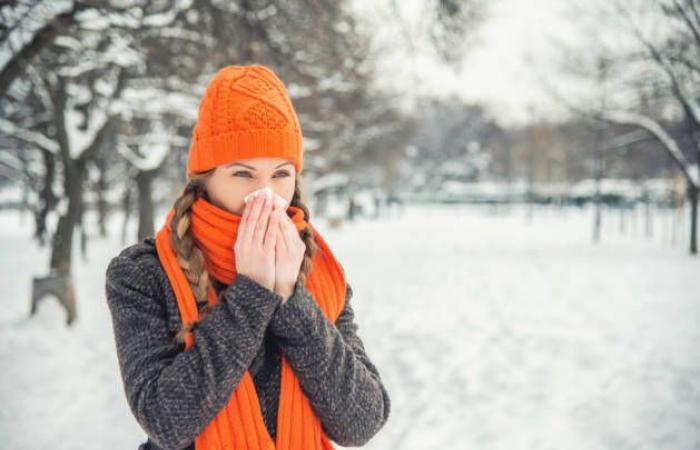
[232, 181]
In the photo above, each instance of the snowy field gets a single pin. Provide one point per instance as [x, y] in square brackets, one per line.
[490, 333]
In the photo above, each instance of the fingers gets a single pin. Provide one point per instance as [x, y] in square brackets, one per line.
[262, 218]
[290, 231]
[289, 235]
[273, 229]
[249, 218]
[281, 235]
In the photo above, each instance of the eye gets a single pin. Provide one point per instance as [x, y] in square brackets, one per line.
[282, 173]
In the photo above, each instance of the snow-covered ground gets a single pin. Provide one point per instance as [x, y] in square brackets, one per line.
[490, 332]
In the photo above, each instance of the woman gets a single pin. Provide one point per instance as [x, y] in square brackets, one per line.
[233, 326]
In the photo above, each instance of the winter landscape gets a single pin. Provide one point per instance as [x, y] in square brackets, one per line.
[511, 187]
[490, 332]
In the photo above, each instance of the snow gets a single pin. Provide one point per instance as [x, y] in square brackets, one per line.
[33, 137]
[335, 83]
[489, 332]
[311, 144]
[167, 18]
[79, 138]
[492, 190]
[32, 18]
[150, 101]
[93, 19]
[155, 148]
[82, 128]
[298, 91]
[626, 188]
[330, 180]
[10, 195]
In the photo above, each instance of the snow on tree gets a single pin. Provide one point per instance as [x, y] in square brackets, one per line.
[646, 77]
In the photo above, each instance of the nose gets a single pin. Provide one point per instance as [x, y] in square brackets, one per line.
[263, 189]
[264, 186]
[279, 201]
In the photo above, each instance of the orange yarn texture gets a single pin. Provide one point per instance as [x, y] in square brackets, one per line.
[245, 113]
[240, 424]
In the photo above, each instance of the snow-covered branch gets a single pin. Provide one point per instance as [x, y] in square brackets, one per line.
[95, 20]
[154, 148]
[82, 130]
[166, 18]
[29, 136]
[684, 16]
[153, 102]
[32, 22]
[656, 130]
[687, 99]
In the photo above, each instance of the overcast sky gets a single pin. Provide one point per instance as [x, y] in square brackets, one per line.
[513, 45]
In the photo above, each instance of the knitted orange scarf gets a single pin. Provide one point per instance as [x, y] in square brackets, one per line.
[240, 425]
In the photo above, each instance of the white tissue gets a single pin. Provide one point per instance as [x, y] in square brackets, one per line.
[280, 201]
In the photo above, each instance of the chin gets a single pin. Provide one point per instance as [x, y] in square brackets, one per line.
[233, 210]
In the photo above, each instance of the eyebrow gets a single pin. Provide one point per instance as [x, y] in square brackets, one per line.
[253, 168]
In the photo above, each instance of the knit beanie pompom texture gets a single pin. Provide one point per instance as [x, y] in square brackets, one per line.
[245, 113]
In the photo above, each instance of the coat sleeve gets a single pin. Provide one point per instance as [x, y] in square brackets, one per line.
[174, 393]
[334, 371]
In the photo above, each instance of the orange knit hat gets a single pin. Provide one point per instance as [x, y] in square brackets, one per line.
[245, 113]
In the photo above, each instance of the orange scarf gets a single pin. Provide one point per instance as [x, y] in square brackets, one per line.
[240, 424]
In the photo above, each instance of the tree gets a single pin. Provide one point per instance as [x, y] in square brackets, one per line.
[95, 77]
[654, 83]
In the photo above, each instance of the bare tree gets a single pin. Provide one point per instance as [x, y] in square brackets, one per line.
[674, 57]
[26, 28]
[80, 82]
[653, 82]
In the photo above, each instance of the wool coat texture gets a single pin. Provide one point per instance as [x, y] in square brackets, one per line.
[174, 394]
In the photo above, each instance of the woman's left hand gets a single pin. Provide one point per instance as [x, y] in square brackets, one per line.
[289, 254]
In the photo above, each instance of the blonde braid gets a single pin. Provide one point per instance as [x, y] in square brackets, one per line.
[189, 256]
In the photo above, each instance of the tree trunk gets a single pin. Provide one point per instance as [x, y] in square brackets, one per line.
[47, 198]
[62, 246]
[102, 209]
[83, 231]
[693, 197]
[648, 223]
[598, 171]
[144, 181]
[126, 207]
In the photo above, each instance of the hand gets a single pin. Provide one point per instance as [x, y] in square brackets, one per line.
[289, 254]
[254, 249]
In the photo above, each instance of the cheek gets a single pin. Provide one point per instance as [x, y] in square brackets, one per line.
[230, 195]
[236, 205]
[287, 189]
[235, 201]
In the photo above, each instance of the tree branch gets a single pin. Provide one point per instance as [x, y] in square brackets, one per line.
[657, 131]
[43, 37]
[31, 137]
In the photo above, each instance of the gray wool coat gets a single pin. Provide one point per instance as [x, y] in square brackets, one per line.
[174, 393]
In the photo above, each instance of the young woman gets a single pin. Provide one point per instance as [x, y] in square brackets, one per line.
[233, 325]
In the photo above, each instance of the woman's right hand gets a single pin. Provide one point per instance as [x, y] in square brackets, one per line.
[255, 244]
